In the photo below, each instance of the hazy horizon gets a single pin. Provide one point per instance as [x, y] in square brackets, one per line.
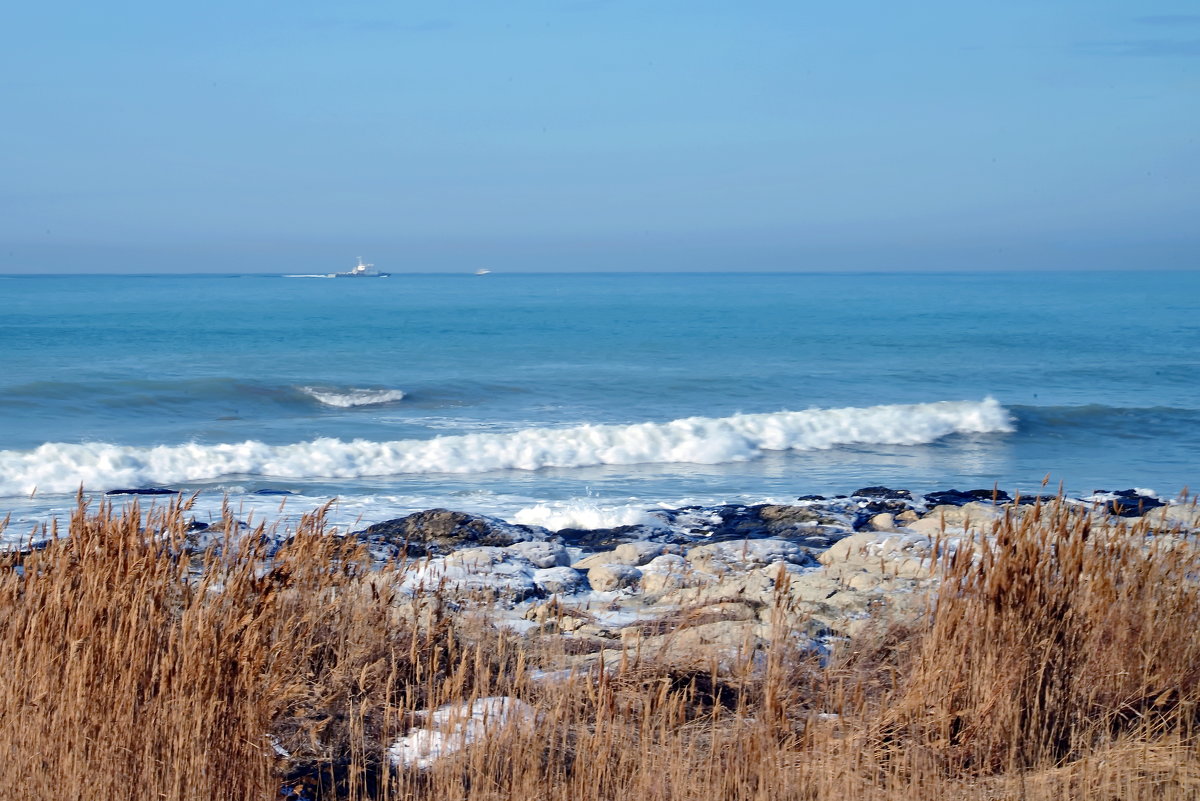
[600, 136]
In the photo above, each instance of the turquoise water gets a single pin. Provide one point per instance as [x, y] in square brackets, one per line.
[555, 394]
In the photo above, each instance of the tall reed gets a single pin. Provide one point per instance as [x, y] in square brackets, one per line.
[1058, 659]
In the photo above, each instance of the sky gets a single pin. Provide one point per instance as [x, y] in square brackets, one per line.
[254, 136]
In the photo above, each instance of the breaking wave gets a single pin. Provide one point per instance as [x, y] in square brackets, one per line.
[62, 467]
[584, 514]
[347, 398]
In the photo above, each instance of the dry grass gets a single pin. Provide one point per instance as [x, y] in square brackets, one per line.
[1058, 661]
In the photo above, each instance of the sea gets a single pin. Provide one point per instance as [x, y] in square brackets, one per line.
[587, 400]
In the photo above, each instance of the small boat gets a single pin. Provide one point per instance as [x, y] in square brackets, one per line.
[361, 271]
[483, 272]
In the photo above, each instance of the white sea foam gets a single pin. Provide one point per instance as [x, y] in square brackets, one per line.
[584, 514]
[61, 467]
[347, 398]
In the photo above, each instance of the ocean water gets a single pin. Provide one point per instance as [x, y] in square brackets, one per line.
[587, 400]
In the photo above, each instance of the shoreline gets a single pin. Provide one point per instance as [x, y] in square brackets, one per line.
[413, 655]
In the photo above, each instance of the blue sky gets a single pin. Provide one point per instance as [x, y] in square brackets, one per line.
[591, 135]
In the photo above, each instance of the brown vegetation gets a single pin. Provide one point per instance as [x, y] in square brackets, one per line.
[1058, 661]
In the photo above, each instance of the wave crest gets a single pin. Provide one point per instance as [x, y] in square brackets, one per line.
[61, 467]
[348, 398]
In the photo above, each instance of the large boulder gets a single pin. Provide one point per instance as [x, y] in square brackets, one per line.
[605, 578]
[441, 531]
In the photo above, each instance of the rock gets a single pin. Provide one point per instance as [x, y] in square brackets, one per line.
[597, 538]
[487, 573]
[955, 497]
[605, 578]
[814, 587]
[1130, 503]
[811, 498]
[143, 491]
[269, 491]
[725, 557]
[732, 522]
[1186, 516]
[601, 558]
[754, 587]
[884, 493]
[885, 521]
[665, 573]
[541, 554]
[864, 581]
[639, 553]
[848, 548]
[559, 580]
[1030, 500]
[440, 531]
[955, 518]
[724, 638]
[633, 554]
[907, 516]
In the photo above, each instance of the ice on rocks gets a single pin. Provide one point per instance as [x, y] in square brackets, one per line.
[560, 580]
[451, 728]
[541, 554]
[724, 557]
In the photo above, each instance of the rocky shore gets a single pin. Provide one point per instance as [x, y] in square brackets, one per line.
[705, 583]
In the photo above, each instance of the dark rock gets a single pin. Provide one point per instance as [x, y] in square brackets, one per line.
[1030, 500]
[754, 522]
[998, 495]
[143, 491]
[601, 539]
[196, 525]
[1130, 504]
[441, 531]
[811, 498]
[883, 492]
[955, 497]
[272, 492]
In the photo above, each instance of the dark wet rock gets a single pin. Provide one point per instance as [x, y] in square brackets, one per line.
[811, 498]
[1030, 500]
[883, 493]
[269, 491]
[196, 525]
[1129, 503]
[734, 522]
[441, 531]
[143, 491]
[955, 497]
[603, 539]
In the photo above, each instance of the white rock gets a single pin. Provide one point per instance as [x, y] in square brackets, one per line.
[541, 554]
[613, 577]
[559, 580]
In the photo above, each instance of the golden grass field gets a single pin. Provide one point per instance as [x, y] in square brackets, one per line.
[1058, 660]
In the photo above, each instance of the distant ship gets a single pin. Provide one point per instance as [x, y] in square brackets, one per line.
[361, 271]
[483, 272]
